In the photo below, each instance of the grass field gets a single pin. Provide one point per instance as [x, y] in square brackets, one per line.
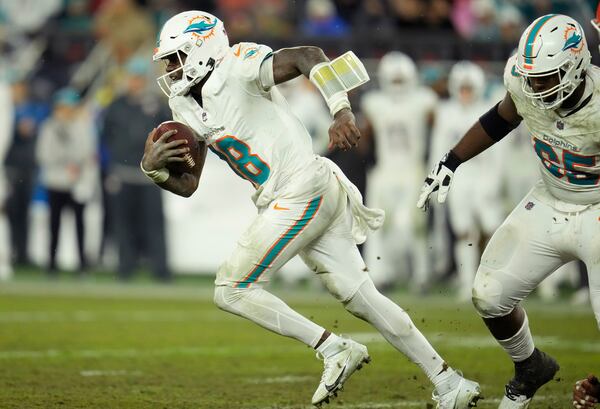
[104, 345]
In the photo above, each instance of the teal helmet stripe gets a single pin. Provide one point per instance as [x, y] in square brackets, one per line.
[532, 35]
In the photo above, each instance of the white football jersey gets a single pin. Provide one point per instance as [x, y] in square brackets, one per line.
[250, 128]
[568, 147]
[399, 121]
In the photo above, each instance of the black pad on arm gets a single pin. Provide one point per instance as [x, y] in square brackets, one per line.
[494, 125]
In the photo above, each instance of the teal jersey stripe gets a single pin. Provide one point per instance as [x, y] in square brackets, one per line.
[531, 37]
[281, 243]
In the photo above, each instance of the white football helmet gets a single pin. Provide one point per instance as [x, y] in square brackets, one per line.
[553, 44]
[466, 74]
[201, 38]
[397, 72]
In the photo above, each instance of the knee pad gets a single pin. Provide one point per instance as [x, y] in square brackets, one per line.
[487, 296]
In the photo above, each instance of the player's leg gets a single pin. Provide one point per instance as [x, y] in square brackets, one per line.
[57, 201]
[518, 257]
[462, 210]
[275, 236]
[336, 260]
[78, 210]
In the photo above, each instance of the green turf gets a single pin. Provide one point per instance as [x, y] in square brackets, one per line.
[103, 345]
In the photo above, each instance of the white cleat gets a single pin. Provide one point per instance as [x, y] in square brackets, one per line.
[338, 369]
[464, 396]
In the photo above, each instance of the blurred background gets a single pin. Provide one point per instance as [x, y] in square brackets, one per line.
[78, 97]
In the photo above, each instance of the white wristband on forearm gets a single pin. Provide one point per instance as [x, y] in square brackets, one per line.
[338, 102]
[157, 176]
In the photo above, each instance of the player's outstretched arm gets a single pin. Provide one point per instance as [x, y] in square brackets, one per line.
[586, 393]
[288, 63]
[489, 129]
[158, 154]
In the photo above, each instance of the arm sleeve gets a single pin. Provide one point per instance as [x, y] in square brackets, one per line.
[266, 79]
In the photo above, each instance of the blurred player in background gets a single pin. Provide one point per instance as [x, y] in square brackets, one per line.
[305, 203]
[555, 90]
[6, 132]
[398, 116]
[475, 207]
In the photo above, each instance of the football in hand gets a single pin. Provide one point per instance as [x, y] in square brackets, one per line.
[197, 148]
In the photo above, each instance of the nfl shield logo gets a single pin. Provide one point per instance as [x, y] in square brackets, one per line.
[529, 205]
[560, 125]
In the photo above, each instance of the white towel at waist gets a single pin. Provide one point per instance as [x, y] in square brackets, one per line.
[363, 217]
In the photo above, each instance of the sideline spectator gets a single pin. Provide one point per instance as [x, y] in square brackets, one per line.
[136, 204]
[66, 156]
[20, 166]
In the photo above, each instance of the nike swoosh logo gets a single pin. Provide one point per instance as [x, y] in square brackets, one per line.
[237, 52]
[337, 381]
[277, 207]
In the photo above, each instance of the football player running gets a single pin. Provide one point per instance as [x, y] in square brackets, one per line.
[305, 204]
[555, 90]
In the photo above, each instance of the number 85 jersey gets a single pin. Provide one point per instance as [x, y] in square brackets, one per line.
[566, 143]
[251, 128]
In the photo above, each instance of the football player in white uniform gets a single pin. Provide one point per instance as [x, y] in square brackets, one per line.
[305, 203]
[555, 90]
[398, 115]
[475, 208]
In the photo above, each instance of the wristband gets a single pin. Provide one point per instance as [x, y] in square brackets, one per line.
[157, 176]
[451, 161]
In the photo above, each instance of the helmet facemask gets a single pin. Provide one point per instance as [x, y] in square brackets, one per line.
[171, 83]
[561, 91]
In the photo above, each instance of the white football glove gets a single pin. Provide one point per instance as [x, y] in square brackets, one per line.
[439, 179]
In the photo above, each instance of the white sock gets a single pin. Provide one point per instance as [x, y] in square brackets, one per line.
[396, 326]
[331, 346]
[520, 346]
[446, 381]
[268, 311]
